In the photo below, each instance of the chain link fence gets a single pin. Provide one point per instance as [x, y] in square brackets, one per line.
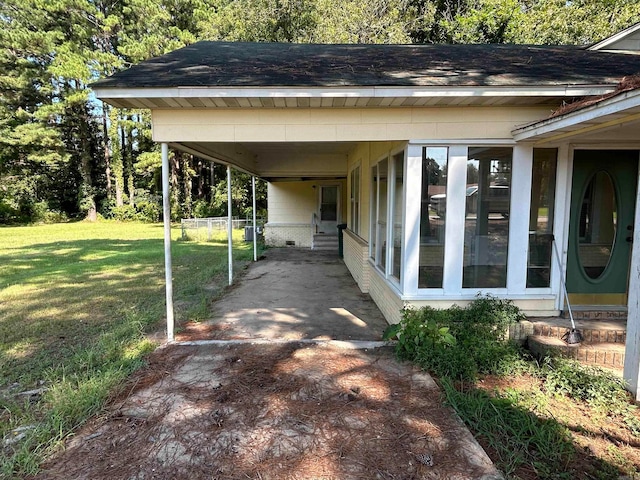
[207, 228]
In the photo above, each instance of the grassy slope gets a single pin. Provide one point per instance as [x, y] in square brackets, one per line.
[75, 302]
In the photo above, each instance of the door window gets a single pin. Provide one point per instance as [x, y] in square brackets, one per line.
[329, 204]
[598, 222]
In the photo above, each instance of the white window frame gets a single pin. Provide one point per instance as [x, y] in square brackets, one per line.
[457, 159]
[355, 203]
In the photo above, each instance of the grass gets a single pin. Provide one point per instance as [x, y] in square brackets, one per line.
[76, 303]
[549, 419]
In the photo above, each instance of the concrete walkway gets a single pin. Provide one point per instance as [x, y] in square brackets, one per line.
[298, 294]
[247, 403]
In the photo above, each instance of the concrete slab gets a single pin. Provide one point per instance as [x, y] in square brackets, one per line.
[298, 294]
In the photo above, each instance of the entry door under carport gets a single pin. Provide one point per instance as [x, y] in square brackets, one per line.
[601, 226]
[328, 210]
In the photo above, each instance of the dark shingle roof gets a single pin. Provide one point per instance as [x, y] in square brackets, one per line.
[222, 64]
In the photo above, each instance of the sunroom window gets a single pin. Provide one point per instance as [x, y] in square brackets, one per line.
[354, 181]
[387, 187]
[543, 183]
[432, 217]
[487, 208]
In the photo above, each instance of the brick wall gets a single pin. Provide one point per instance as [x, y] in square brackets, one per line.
[384, 296]
[356, 253]
[277, 235]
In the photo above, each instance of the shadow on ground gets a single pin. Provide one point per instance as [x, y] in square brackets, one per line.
[275, 412]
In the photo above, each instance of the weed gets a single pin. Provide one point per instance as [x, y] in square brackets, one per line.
[597, 387]
[460, 343]
[518, 437]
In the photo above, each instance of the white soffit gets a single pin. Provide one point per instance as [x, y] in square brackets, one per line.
[621, 109]
[336, 97]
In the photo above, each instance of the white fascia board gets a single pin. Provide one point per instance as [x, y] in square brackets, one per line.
[603, 44]
[346, 92]
[611, 106]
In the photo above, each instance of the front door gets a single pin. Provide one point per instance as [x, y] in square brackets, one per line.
[328, 210]
[601, 226]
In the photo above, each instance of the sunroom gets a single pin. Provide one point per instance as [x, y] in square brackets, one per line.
[440, 222]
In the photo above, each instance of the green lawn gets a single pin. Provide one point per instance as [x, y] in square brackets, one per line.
[76, 301]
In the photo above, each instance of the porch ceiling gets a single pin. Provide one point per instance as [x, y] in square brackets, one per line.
[277, 160]
[614, 119]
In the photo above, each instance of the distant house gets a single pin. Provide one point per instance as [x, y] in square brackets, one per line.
[444, 161]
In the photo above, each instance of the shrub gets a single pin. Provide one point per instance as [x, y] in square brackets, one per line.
[143, 211]
[460, 343]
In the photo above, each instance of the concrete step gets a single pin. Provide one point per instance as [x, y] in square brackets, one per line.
[605, 354]
[325, 242]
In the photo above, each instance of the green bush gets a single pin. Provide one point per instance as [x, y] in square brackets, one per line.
[148, 211]
[460, 343]
[124, 213]
[143, 211]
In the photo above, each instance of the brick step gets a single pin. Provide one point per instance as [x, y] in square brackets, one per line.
[604, 354]
[593, 313]
[589, 335]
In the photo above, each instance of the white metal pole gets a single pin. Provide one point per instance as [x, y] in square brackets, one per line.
[229, 225]
[166, 214]
[255, 234]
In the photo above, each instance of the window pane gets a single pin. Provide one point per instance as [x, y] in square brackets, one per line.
[432, 216]
[398, 191]
[373, 221]
[543, 188]
[486, 236]
[381, 228]
[598, 225]
[356, 200]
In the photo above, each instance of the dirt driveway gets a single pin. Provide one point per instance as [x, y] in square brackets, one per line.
[289, 408]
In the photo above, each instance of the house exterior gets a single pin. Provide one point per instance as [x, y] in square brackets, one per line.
[443, 161]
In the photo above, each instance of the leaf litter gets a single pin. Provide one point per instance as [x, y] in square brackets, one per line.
[282, 411]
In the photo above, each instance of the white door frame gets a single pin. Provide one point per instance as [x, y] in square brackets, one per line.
[338, 206]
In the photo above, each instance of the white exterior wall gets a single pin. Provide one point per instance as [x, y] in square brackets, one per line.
[290, 206]
[339, 125]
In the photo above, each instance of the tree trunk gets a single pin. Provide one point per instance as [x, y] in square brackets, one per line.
[87, 191]
[107, 152]
[131, 188]
[173, 179]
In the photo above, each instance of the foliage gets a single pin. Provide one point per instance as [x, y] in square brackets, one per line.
[508, 420]
[58, 146]
[595, 386]
[518, 437]
[76, 303]
[460, 343]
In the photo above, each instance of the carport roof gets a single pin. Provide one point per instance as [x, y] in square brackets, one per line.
[222, 74]
[213, 64]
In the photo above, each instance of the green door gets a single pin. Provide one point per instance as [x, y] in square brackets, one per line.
[603, 196]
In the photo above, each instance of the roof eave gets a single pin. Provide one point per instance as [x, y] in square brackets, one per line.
[622, 108]
[372, 96]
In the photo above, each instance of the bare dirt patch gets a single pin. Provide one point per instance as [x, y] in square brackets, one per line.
[283, 411]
